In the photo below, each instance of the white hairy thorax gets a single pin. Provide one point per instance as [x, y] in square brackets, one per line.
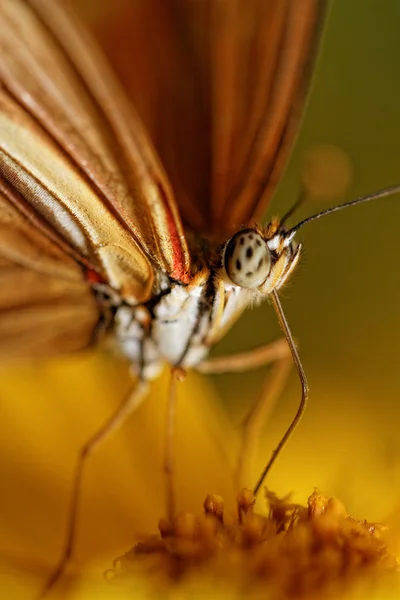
[180, 326]
[182, 322]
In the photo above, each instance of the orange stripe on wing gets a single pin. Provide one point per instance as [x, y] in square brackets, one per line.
[176, 253]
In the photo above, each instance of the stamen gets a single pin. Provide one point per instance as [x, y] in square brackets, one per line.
[293, 552]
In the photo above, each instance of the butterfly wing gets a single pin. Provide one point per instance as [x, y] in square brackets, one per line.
[220, 87]
[81, 188]
[46, 306]
[51, 68]
[261, 62]
[59, 201]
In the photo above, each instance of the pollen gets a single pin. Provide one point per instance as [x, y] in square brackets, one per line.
[293, 551]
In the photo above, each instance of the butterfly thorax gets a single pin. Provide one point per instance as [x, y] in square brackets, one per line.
[181, 322]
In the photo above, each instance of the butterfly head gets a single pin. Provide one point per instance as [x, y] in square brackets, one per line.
[260, 259]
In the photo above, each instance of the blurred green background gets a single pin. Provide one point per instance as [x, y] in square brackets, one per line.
[342, 305]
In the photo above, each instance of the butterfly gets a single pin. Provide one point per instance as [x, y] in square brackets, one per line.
[92, 226]
[135, 220]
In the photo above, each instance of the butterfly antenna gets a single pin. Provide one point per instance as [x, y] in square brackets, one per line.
[381, 194]
[301, 198]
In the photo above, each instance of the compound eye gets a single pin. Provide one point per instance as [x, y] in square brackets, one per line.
[247, 259]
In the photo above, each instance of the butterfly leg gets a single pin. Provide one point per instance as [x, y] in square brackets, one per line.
[129, 404]
[277, 353]
[252, 427]
[177, 374]
[245, 361]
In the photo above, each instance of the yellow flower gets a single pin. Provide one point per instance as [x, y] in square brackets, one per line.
[49, 409]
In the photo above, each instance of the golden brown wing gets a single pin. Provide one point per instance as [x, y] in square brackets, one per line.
[59, 201]
[220, 86]
[157, 48]
[261, 53]
[160, 49]
[53, 70]
[46, 306]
